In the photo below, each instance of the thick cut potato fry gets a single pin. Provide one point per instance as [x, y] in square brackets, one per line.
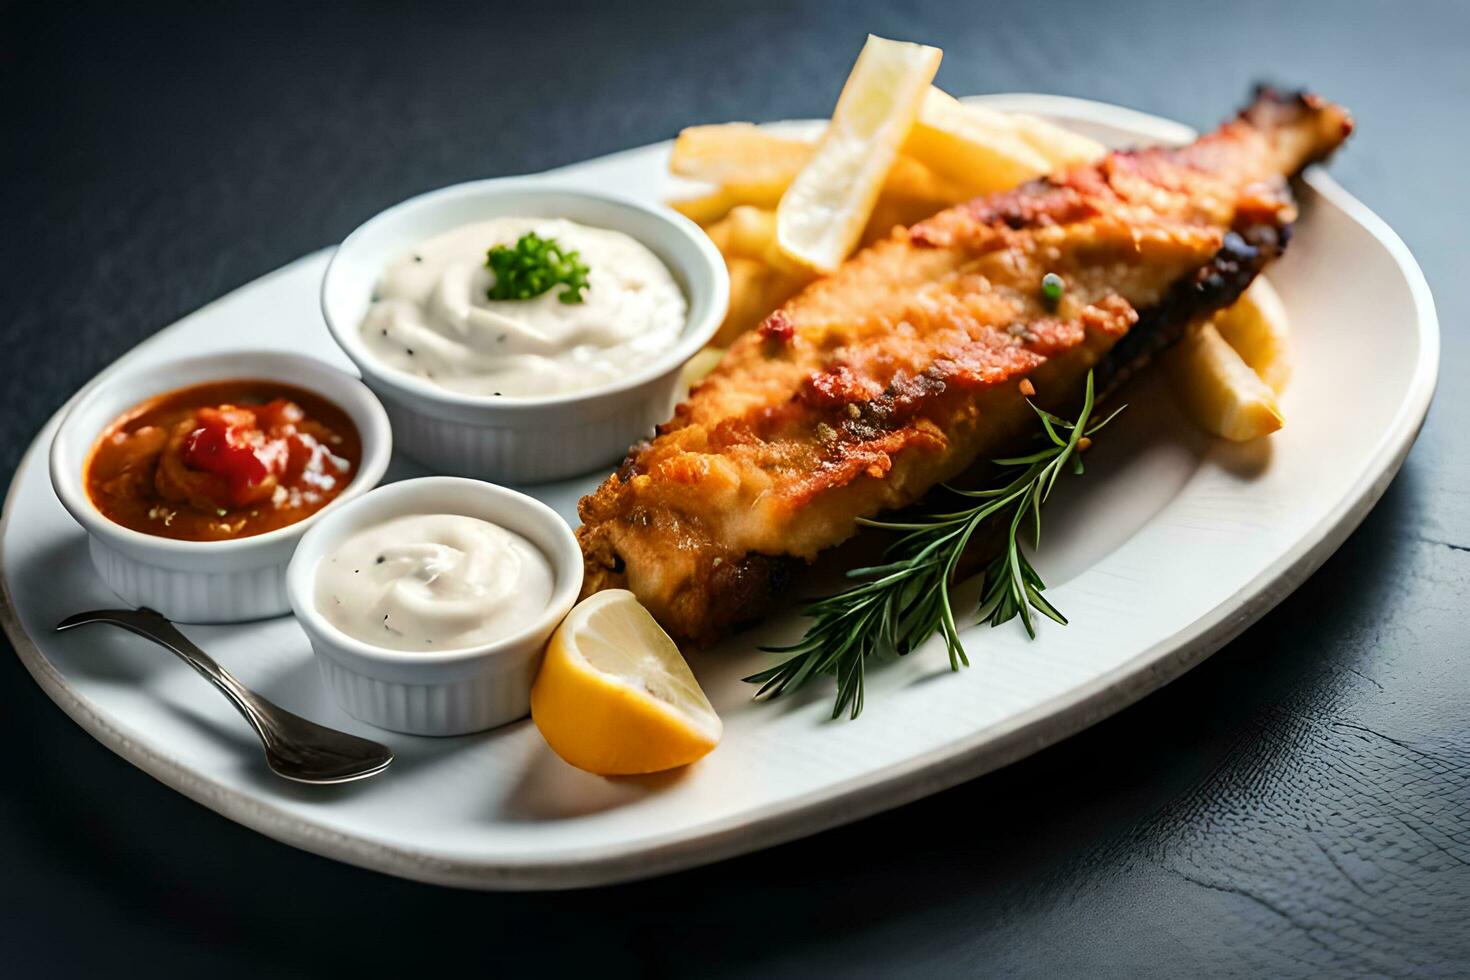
[738, 153]
[1061, 147]
[748, 280]
[756, 288]
[824, 211]
[698, 366]
[1256, 327]
[711, 207]
[750, 231]
[975, 147]
[706, 208]
[911, 193]
[746, 232]
[749, 165]
[1219, 391]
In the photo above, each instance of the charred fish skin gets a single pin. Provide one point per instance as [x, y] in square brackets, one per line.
[903, 368]
[1213, 288]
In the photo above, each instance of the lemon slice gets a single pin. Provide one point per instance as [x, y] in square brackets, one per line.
[823, 212]
[614, 696]
[1218, 390]
[1256, 327]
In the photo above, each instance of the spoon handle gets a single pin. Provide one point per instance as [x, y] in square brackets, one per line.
[148, 623]
[296, 748]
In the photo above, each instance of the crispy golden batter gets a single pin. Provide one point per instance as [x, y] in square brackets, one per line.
[903, 367]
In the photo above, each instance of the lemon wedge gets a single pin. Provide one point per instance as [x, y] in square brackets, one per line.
[1218, 390]
[614, 697]
[823, 212]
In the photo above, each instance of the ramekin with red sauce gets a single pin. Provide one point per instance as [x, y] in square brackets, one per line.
[222, 460]
[195, 479]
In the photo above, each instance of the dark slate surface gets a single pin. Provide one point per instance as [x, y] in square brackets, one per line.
[1298, 805]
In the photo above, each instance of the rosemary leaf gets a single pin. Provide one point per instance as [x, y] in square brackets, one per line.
[897, 605]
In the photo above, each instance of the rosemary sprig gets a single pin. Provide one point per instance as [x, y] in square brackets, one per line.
[904, 601]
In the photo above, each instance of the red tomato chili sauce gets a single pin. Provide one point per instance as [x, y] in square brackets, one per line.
[223, 460]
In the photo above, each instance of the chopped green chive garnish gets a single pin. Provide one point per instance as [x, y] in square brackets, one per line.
[534, 265]
[1051, 287]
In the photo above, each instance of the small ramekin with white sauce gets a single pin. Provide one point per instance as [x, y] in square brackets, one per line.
[429, 602]
[523, 389]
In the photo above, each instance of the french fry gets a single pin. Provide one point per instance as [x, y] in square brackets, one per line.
[749, 166]
[749, 280]
[973, 146]
[746, 233]
[1218, 390]
[700, 365]
[1061, 147]
[756, 288]
[751, 231]
[1256, 327]
[705, 209]
[911, 193]
[708, 208]
[738, 153]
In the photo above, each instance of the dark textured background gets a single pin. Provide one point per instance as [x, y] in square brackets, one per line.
[1300, 804]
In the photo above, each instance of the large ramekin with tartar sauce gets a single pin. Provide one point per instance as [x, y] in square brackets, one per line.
[439, 301]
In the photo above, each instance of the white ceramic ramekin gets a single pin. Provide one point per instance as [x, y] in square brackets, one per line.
[448, 692]
[204, 581]
[523, 440]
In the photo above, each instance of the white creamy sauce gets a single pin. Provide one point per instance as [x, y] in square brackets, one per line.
[431, 315]
[433, 582]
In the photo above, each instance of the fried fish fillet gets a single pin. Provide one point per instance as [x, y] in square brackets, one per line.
[908, 364]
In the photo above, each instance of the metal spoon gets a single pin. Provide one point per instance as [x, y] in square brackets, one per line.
[294, 747]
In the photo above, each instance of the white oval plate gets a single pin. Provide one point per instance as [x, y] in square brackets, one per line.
[1167, 548]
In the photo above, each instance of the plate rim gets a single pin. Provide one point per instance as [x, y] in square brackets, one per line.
[903, 782]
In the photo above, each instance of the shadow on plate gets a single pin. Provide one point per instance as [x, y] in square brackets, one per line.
[550, 789]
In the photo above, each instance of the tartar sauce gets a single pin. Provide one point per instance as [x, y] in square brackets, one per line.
[431, 315]
[433, 582]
